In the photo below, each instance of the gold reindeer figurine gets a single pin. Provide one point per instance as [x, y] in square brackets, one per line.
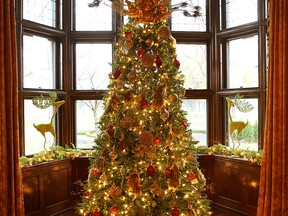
[237, 126]
[45, 128]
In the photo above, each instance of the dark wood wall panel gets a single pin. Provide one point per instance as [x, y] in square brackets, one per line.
[53, 188]
[236, 185]
[47, 188]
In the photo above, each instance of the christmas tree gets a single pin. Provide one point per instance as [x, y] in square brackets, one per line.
[145, 159]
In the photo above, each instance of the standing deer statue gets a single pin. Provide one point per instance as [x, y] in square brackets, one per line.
[45, 128]
[237, 126]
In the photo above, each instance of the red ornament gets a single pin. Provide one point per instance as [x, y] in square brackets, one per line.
[168, 172]
[113, 210]
[176, 63]
[175, 212]
[143, 104]
[151, 170]
[157, 140]
[184, 124]
[128, 35]
[158, 62]
[191, 176]
[97, 213]
[116, 73]
[95, 173]
[140, 52]
[121, 146]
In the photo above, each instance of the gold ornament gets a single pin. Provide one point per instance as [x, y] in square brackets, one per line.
[147, 60]
[157, 190]
[164, 33]
[127, 122]
[152, 11]
[158, 99]
[148, 150]
[182, 92]
[133, 183]
[173, 98]
[114, 191]
[113, 154]
[149, 42]
[164, 115]
[174, 178]
[177, 131]
[132, 76]
[172, 42]
[145, 138]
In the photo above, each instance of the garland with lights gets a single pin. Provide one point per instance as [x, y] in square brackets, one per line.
[59, 152]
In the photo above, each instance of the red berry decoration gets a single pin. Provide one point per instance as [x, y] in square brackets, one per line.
[151, 170]
[116, 73]
[140, 52]
[158, 62]
[113, 210]
[176, 63]
[157, 140]
[143, 104]
[175, 212]
[184, 124]
[168, 172]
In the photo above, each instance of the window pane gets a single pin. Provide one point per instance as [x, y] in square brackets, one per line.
[197, 118]
[88, 115]
[239, 12]
[38, 62]
[43, 12]
[193, 59]
[34, 141]
[93, 63]
[243, 63]
[93, 19]
[248, 138]
[179, 22]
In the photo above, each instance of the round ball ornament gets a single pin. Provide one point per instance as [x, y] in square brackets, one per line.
[191, 176]
[151, 170]
[149, 42]
[110, 130]
[173, 98]
[95, 173]
[132, 76]
[113, 211]
[182, 92]
[140, 52]
[175, 212]
[128, 35]
[157, 140]
[168, 172]
[145, 138]
[147, 60]
[97, 213]
[158, 62]
[129, 44]
[143, 104]
[164, 33]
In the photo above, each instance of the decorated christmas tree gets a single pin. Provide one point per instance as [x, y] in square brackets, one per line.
[145, 159]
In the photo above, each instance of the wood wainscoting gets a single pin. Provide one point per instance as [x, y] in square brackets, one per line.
[51, 188]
